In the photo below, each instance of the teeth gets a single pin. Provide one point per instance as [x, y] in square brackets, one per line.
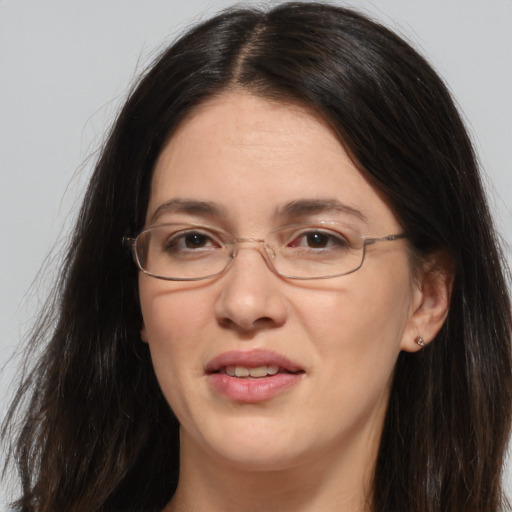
[260, 371]
[272, 370]
[241, 371]
[244, 371]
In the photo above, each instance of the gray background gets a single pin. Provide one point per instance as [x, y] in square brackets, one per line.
[65, 67]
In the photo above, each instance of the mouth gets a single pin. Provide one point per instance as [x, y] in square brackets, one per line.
[254, 364]
[258, 372]
[252, 376]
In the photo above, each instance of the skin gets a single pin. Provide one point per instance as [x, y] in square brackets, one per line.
[312, 447]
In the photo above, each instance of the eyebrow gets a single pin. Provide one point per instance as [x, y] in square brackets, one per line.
[291, 210]
[305, 207]
[190, 206]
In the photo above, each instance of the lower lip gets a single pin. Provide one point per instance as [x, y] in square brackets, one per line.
[253, 390]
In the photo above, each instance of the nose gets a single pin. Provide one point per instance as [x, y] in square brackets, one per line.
[251, 295]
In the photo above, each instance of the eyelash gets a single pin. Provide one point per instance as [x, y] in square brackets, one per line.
[325, 239]
[180, 238]
[330, 237]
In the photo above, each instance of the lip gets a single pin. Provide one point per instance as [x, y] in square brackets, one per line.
[252, 359]
[252, 390]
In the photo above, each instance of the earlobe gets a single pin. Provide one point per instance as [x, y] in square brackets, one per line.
[143, 334]
[419, 341]
[429, 307]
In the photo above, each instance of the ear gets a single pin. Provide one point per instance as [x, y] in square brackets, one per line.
[143, 334]
[430, 302]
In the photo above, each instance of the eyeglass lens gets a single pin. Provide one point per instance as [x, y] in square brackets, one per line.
[193, 252]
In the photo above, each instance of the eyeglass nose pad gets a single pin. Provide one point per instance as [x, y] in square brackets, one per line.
[233, 252]
[269, 250]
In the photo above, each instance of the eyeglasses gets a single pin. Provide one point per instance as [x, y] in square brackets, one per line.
[189, 252]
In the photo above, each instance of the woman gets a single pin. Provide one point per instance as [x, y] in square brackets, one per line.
[317, 294]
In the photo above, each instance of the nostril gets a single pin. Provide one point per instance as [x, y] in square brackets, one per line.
[260, 322]
[247, 329]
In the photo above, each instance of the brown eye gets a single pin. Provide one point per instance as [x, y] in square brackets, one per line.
[195, 240]
[316, 239]
[190, 241]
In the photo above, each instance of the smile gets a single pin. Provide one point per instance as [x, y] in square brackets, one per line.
[258, 372]
[252, 377]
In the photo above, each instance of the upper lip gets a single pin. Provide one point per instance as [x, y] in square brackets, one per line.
[251, 359]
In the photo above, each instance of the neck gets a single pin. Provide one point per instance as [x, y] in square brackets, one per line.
[325, 482]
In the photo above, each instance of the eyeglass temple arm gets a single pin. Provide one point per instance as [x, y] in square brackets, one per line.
[128, 241]
[388, 238]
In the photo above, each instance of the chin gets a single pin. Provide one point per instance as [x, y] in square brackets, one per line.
[253, 447]
[256, 458]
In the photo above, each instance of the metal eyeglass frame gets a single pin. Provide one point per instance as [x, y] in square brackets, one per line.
[131, 242]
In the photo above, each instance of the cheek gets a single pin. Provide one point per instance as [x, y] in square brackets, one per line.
[172, 317]
[174, 313]
[358, 329]
[175, 324]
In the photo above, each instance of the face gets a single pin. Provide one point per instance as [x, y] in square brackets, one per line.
[237, 164]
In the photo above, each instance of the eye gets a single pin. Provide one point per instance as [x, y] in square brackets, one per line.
[190, 240]
[319, 239]
[195, 240]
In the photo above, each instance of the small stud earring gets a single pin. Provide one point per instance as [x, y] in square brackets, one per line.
[420, 341]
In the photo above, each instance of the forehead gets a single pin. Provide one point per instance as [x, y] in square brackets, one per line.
[252, 156]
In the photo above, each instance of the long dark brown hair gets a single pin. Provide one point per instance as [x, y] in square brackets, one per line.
[91, 430]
